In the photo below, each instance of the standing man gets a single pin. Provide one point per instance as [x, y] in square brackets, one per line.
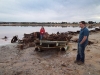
[42, 32]
[82, 43]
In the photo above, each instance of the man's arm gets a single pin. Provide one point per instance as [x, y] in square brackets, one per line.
[83, 40]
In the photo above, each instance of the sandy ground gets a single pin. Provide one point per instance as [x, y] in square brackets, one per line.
[50, 62]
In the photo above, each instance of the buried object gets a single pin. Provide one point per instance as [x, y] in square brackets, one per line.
[5, 38]
[14, 39]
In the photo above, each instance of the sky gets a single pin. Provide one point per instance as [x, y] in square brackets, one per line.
[49, 10]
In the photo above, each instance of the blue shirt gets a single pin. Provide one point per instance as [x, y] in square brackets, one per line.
[83, 32]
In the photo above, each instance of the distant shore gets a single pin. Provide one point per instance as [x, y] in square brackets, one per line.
[63, 25]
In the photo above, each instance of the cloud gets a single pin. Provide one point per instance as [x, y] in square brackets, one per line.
[49, 10]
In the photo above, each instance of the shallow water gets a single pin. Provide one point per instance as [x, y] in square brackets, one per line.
[11, 31]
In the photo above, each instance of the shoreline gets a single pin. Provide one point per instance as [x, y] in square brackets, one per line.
[14, 61]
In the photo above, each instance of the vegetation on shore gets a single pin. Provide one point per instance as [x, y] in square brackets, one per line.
[46, 23]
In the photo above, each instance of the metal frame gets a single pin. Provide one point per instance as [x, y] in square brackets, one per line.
[58, 45]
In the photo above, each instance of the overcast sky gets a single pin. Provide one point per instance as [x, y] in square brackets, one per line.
[49, 10]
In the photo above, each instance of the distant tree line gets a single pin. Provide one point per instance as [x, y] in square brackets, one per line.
[89, 22]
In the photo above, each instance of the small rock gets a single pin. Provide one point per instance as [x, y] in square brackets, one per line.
[74, 49]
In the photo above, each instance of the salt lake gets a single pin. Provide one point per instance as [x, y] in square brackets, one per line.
[11, 31]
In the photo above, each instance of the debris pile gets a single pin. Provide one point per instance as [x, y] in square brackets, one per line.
[57, 37]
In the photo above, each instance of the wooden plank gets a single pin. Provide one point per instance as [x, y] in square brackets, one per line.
[45, 41]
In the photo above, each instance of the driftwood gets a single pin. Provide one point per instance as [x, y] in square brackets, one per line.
[90, 42]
